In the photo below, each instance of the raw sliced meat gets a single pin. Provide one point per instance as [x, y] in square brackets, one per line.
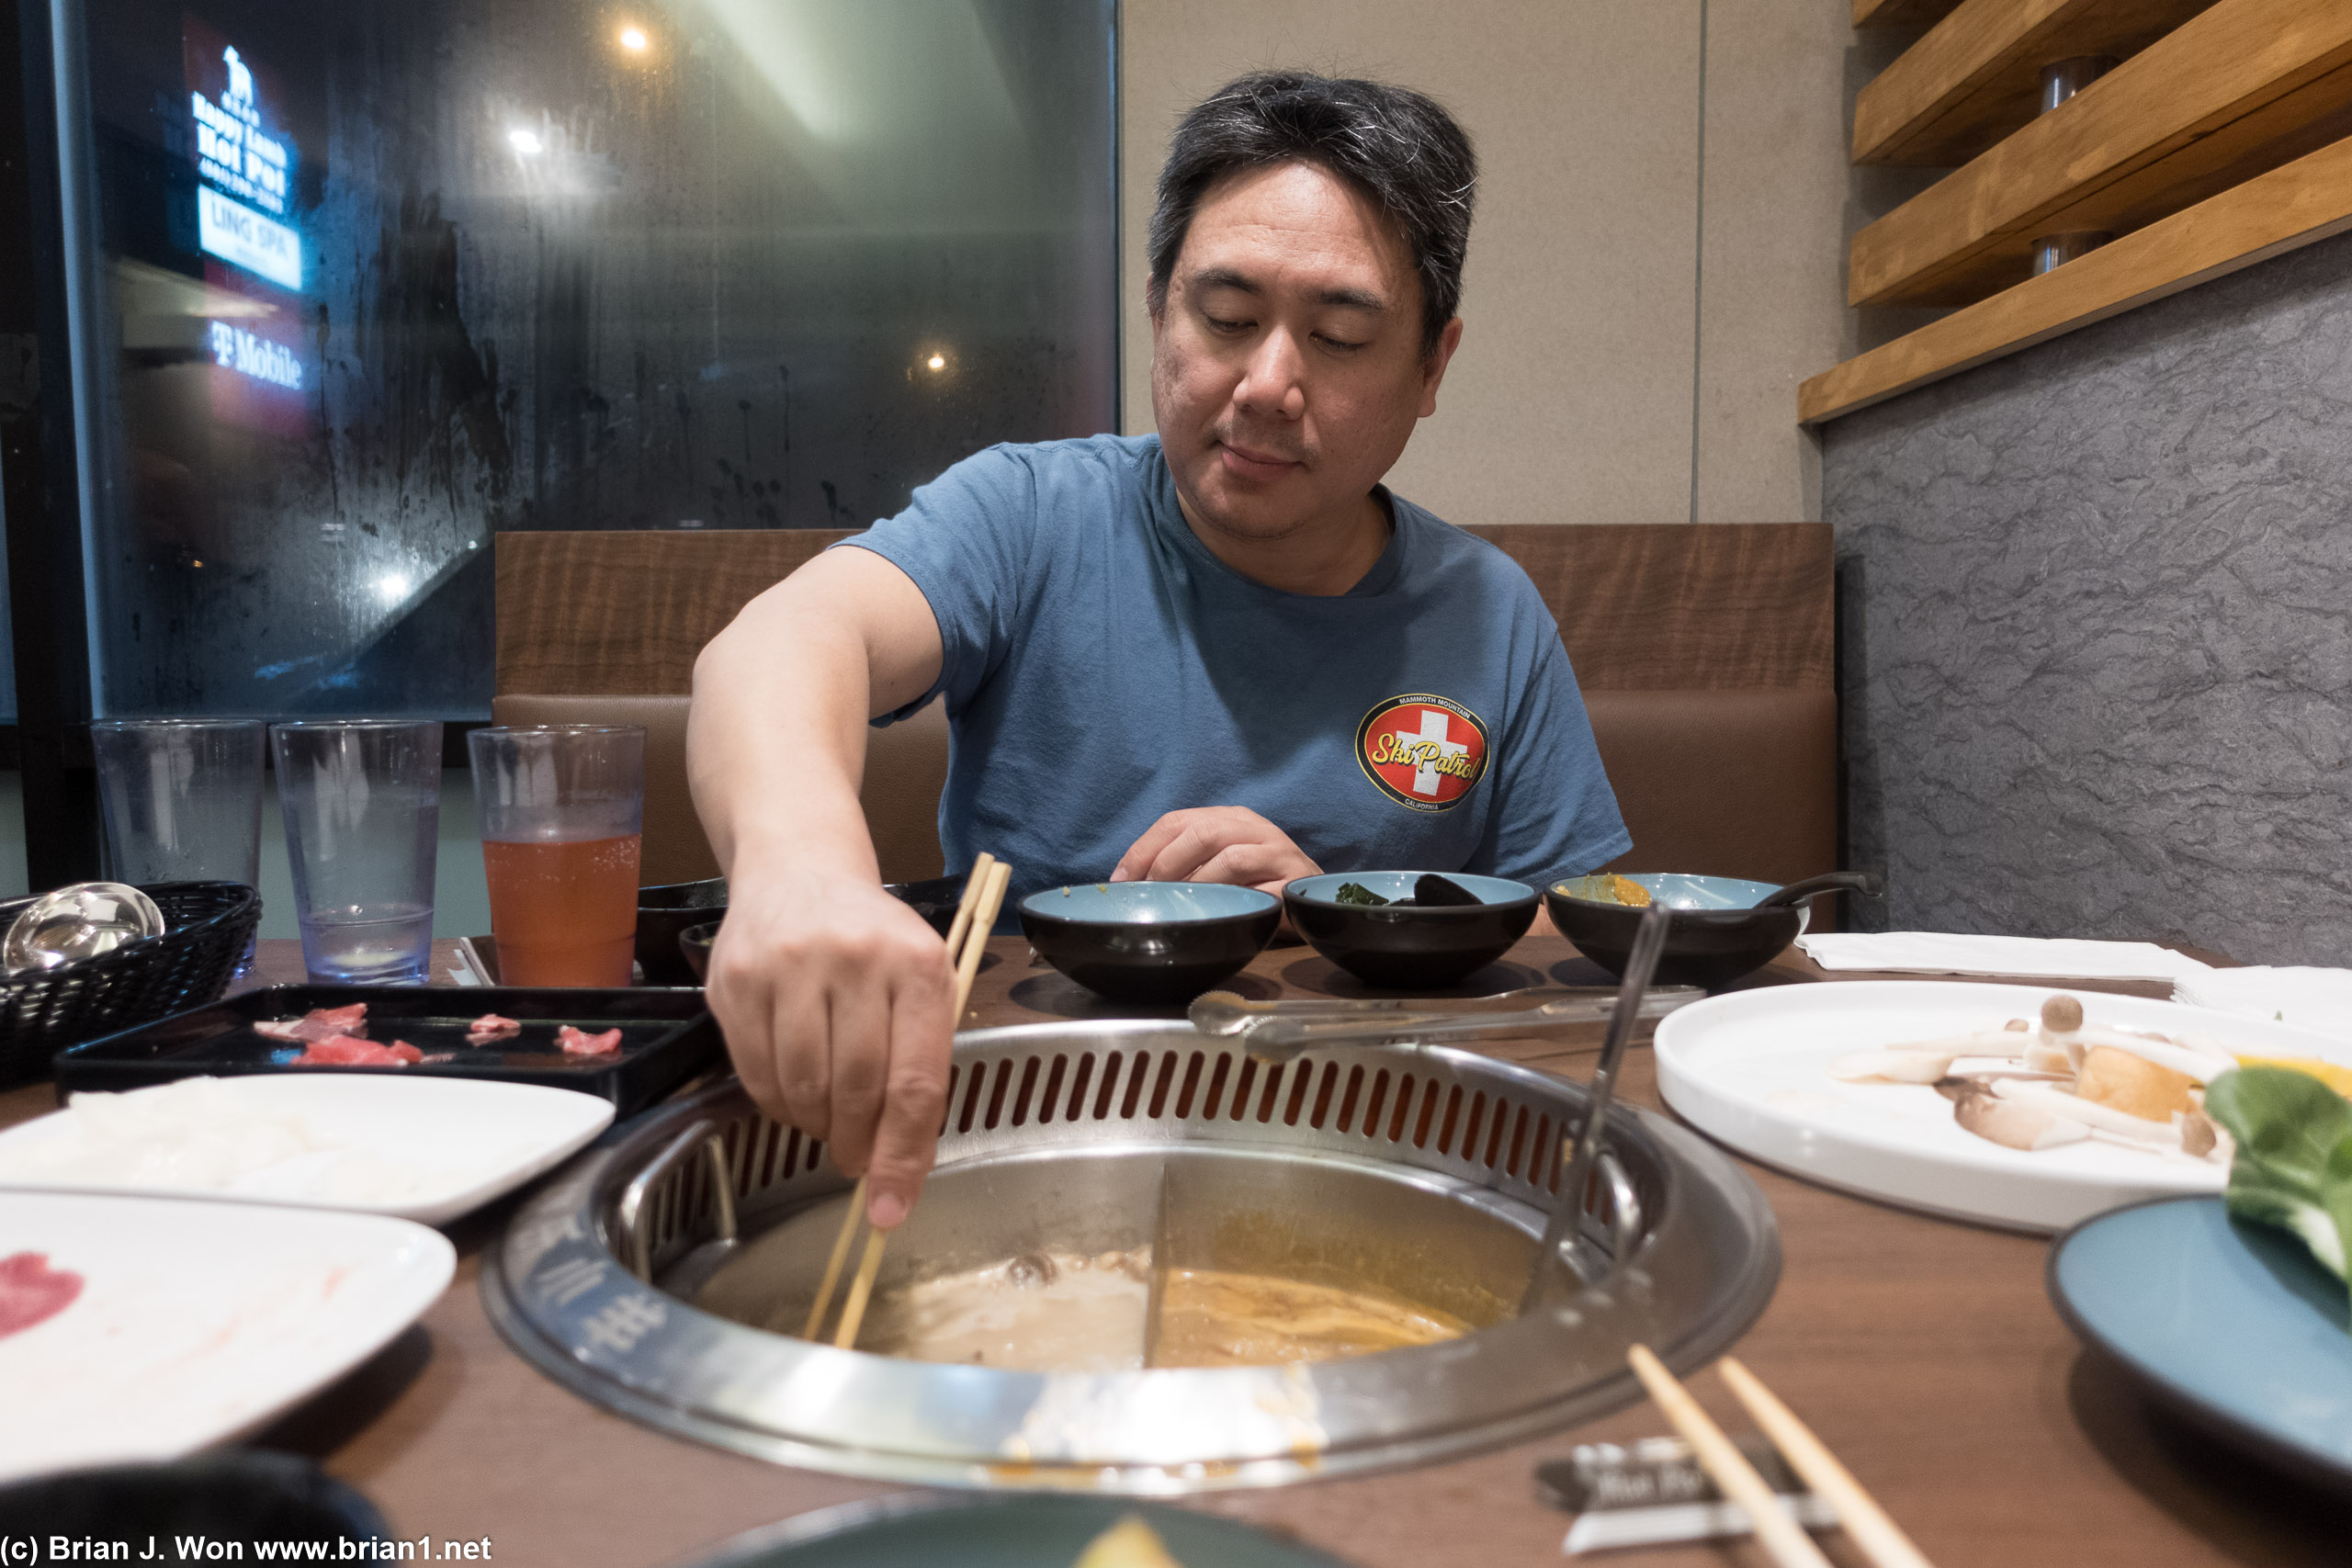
[490, 1027]
[32, 1291]
[318, 1023]
[576, 1044]
[343, 1051]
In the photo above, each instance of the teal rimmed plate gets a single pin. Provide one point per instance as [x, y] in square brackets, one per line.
[2233, 1325]
[926, 1530]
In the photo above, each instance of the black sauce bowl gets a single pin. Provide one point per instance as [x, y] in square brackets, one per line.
[694, 947]
[1718, 934]
[664, 912]
[935, 900]
[237, 1496]
[1152, 943]
[1416, 947]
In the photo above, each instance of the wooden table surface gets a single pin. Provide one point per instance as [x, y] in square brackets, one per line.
[1923, 1351]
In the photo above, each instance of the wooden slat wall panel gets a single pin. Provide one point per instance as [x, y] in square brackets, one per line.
[1641, 607]
[2308, 200]
[1678, 606]
[1977, 76]
[1889, 13]
[1959, 240]
[625, 612]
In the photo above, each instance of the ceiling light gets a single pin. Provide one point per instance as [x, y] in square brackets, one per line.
[937, 362]
[633, 39]
[524, 141]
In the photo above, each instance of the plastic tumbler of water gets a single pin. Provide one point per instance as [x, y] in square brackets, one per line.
[182, 799]
[362, 802]
[562, 813]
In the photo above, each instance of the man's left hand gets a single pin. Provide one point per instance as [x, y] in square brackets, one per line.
[1215, 843]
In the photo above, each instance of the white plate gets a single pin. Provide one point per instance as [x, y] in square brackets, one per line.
[195, 1322]
[1752, 1070]
[424, 1149]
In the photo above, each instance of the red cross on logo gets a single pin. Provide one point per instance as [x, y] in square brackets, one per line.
[1422, 752]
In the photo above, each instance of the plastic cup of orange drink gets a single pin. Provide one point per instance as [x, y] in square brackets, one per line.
[562, 817]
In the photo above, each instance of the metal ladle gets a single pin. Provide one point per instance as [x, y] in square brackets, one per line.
[1227, 1013]
[1568, 1204]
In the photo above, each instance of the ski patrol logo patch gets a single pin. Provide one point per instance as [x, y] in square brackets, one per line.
[1424, 751]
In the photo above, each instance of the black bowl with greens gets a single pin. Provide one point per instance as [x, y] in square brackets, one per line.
[1409, 930]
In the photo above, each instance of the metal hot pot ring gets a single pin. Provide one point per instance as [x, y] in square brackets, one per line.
[636, 1277]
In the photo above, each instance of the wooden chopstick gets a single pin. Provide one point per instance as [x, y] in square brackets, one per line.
[976, 941]
[1781, 1536]
[861, 1288]
[1881, 1538]
[975, 918]
[983, 921]
[974, 886]
[840, 1256]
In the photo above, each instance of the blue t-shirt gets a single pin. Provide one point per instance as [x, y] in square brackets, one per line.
[1100, 668]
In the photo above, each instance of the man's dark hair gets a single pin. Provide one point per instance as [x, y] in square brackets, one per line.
[1397, 145]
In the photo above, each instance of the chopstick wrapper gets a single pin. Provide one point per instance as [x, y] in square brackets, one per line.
[2044, 958]
[1653, 1491]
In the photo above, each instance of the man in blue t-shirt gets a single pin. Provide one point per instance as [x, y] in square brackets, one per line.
[1224, 652]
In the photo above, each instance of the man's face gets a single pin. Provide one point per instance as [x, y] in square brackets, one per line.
[1286, 367]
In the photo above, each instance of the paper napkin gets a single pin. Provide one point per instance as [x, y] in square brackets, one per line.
[1946, 952]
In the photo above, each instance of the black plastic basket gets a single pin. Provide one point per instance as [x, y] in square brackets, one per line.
[207, 926]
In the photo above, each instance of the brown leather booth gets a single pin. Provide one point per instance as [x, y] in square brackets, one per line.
[1704, 652]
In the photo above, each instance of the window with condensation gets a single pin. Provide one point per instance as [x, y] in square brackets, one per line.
[361, 284]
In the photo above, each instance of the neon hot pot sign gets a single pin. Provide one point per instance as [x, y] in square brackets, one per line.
[244, 169]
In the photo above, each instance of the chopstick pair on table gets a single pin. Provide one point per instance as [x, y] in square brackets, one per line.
[1880, 1538]
[968, 938]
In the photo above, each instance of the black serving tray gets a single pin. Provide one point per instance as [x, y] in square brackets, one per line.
[666, 1035]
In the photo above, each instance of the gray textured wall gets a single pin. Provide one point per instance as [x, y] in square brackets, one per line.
[2096, 642]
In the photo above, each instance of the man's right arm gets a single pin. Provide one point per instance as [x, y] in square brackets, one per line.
[834, 997]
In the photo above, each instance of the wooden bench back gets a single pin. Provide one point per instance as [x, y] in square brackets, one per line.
[1641, 607]
[1703, 652]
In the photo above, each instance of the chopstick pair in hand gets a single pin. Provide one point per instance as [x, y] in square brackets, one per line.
[968, 938]
[1881, 1538]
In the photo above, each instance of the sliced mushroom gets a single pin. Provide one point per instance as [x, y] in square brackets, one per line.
[2054, 1059]
[2099, 1118]
[1976, 1042]
[2205, 1045]
[2203, 1137]
[1891, 1067]
[2013, 1123]
[2061, 1022]
[2167, 1054]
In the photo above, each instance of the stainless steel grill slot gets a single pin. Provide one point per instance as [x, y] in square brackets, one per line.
[1055, 1133]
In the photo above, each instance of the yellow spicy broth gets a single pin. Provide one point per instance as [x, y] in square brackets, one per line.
[1057, 1312]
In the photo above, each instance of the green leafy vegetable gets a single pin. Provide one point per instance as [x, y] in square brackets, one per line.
[2295, 1155]
[1356, 892]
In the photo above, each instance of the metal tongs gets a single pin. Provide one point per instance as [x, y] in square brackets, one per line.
[1276, 1032]
[1568, 1204]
